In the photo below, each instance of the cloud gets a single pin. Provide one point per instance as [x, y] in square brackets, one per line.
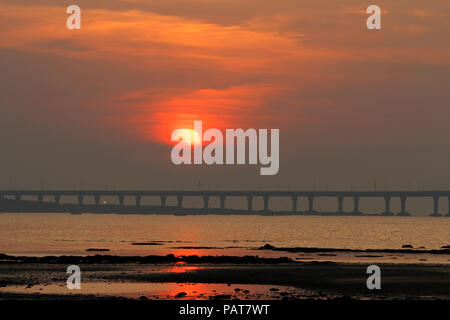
[139, 69]
[421, 13]
[159, 113]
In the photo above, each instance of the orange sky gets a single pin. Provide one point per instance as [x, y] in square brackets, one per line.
[139, 69]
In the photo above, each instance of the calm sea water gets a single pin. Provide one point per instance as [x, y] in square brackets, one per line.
[58, 234]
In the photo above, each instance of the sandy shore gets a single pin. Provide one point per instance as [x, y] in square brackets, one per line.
[220, 277]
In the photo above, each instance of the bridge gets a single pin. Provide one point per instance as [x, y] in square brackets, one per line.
[51, 199]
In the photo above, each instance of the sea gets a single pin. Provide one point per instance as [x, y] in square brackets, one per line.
[55, 234]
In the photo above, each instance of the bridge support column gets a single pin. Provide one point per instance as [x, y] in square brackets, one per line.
[163, 200]
[2, 197]
[310, 204]
[340, 204]
[57, 198]
[266, 203]
[250, 203]
[80, 199]
[356, 204]
[222, 202]
[138, 201]
[448, 214]
[18, 197]
[97, 199]
[205, 202]
[435, 207]
[121, 199]
[403, 207]
[40, 197]
[294, 203]
[387, 206]
[180, 202]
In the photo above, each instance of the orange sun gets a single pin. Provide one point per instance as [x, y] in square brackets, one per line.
[189, 136]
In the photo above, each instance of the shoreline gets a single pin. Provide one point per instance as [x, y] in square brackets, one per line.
[208, 277]
[171, 258]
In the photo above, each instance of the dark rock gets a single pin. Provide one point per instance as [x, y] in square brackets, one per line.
[368, 256]
[146, 244]
[143, 298]
[222, 297]
[180, 295]
[170, 258]
[344, 298]
[267, 247]
[445, 247]
[96, 249]
[407, 246]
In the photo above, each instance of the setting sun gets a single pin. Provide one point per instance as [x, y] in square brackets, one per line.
[188, 136]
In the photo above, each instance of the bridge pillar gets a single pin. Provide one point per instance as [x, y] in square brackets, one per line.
[340, 204]
[18, 197]
[180, 201]
[294, 203]
[448, 214]
[138, 201]
[250, 203]
[57, 198]
[222, 202]
[2, 197]
[40, 197]
[356, 204]
[80, 199]
[121, 199]
[266, 203]
[387, 206]
[205, 202]
[435, 207]
[163, 200]
[403, 207]
[97, 199]
[310, 204]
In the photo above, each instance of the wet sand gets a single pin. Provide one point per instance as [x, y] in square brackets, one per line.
[219, 278]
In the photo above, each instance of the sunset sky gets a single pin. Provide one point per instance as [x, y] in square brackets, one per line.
[94, 108]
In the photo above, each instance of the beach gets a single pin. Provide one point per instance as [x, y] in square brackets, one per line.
[229, 281]
[222, 257]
